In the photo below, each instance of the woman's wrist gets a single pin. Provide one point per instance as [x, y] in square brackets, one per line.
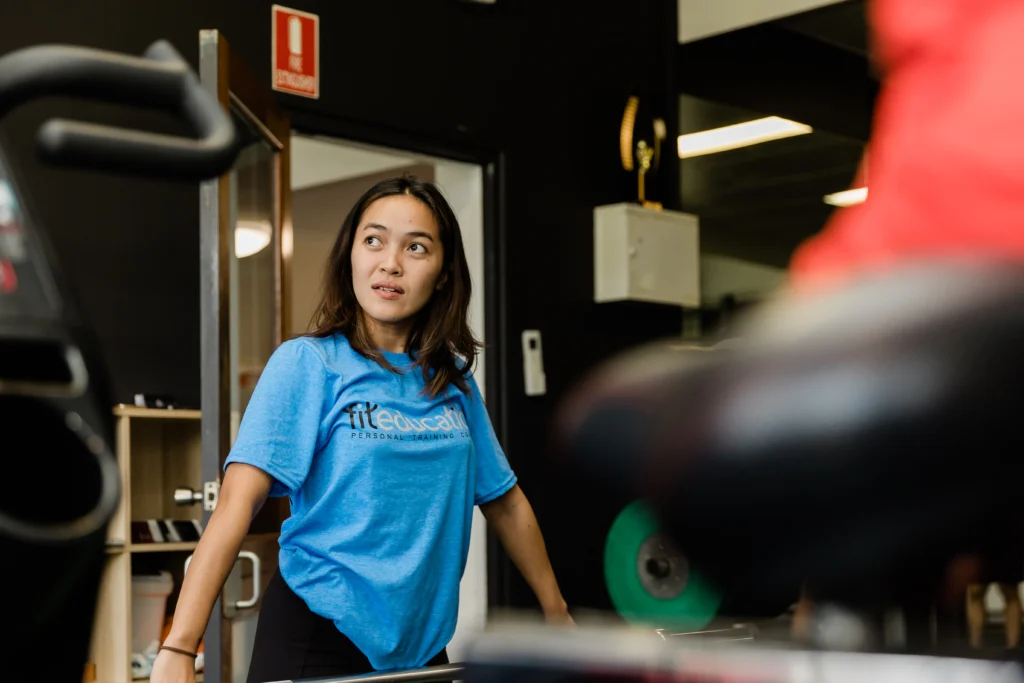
[556, 612]
[183, 642]
[554, 606]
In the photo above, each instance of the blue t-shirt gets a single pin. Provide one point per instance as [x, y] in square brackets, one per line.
[382, 481]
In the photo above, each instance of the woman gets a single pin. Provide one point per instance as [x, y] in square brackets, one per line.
[377, 432]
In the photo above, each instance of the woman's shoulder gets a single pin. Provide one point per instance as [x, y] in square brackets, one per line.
[327, 343]
[468, 368]
[333, 351]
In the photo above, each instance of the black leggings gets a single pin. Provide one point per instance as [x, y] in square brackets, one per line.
[293, 643]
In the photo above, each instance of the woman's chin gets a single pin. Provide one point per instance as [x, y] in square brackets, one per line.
[385, 317]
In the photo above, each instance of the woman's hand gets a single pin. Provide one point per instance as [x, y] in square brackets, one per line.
[559, 616]
[171, 667]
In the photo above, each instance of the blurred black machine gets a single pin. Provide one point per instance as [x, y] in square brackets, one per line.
[55, 411]
[859, 443]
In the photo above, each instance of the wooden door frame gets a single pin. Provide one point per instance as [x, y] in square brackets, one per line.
[226, 75]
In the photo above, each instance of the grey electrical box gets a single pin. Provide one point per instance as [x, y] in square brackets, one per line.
[646, 255]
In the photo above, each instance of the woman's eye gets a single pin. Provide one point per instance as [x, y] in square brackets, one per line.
[418, 248]
[373, 241]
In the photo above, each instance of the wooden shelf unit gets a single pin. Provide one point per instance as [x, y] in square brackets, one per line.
[157, 450]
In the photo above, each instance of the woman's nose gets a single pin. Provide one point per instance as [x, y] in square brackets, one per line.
[391, 264]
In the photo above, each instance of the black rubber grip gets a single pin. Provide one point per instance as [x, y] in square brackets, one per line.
[160, 80]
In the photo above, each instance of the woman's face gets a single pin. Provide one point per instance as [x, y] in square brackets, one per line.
[397, 259]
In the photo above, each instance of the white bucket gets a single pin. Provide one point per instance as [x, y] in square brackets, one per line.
[149, 607]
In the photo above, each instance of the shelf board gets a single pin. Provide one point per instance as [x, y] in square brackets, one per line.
[125, 410]
[162, 547]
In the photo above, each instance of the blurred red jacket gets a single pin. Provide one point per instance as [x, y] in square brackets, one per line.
[946, 164]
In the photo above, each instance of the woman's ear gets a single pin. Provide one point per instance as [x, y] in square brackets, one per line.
[442, 281]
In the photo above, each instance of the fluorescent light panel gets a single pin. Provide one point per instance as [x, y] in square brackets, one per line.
[847, 197]
[739, 135]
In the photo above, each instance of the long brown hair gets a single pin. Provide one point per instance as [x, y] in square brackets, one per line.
[440, 333]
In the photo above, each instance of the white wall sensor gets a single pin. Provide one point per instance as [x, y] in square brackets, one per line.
[533, 364]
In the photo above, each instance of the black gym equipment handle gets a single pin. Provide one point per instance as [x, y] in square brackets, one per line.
[161, 79]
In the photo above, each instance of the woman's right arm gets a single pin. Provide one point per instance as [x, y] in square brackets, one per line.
[272, 454]
[244, 490]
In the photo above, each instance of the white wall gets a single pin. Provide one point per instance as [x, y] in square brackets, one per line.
[702, 18]
[722, 275]
[316, 161]
[462, 185]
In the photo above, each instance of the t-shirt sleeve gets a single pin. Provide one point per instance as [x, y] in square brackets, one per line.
[494, 476]
[280, 428]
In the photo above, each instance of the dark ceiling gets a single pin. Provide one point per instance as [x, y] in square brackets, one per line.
[843, 25]
[758, 203]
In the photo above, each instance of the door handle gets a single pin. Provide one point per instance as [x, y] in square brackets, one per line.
[185, 496]
[255, 559]
[255, 597]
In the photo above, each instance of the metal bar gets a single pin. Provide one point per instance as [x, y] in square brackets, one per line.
[430, 674]
[738, 632]
[214, 235]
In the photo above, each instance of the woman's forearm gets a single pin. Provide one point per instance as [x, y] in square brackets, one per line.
[515, 524]
[241, 498]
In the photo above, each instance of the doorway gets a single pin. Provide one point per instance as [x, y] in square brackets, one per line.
[327, 177]
[262, 251]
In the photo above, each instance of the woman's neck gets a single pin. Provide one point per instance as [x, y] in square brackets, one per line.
[392, 337]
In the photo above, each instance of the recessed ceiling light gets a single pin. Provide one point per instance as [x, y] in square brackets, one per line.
[847, 197]
[739, 135]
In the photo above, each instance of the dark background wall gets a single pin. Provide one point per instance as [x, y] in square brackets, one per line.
[542, 82]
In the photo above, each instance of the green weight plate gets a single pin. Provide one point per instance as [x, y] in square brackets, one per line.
[648, 578]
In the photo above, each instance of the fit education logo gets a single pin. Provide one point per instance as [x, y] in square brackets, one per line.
[369, 420]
